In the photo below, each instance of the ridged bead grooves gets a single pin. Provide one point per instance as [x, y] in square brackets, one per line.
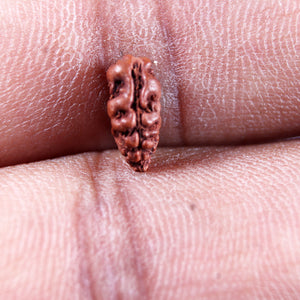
[134, 109]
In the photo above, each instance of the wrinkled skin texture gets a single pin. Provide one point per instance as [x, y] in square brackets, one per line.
[216, 222]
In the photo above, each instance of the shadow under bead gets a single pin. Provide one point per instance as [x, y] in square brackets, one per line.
[134, 109]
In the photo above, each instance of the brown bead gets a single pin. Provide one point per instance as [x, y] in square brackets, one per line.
[146, 155]
[132, 141]
[148, 119]
[148, 144]
[134, 109]
[134, 157]
[150, 133]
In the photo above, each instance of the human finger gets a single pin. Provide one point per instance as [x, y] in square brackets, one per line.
[203, 223]
[229, 71]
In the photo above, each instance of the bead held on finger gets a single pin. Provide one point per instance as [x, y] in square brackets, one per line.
[134, 109]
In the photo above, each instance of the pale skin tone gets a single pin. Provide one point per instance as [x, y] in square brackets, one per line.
[217, 216]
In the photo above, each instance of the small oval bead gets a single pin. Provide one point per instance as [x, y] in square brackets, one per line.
[133, 107]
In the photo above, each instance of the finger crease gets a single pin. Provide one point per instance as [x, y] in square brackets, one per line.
[173, 57]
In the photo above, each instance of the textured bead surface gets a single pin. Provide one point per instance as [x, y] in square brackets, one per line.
[134, 109]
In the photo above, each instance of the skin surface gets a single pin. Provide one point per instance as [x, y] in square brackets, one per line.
[205, 222]
[229, 72]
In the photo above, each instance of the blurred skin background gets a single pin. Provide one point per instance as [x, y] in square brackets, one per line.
[217, 216]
